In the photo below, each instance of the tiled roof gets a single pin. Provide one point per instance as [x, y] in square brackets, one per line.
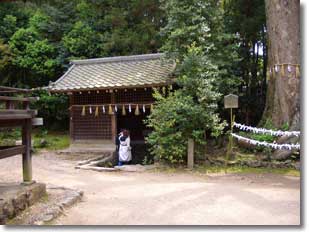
[115, 72]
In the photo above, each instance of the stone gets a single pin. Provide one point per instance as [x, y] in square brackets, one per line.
[36, 193]
[16, 198]
[47, 217]
[43, 143]
[131, 168]
[20, 202]
[296, 165]
[8, 210]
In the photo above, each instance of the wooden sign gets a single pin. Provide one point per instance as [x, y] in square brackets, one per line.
[231, 101]
[37, 121]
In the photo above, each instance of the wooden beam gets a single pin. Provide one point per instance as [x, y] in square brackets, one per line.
[113, 119]
[116, 87]
[11, 151]
[15, 117]
[22, 99]
[71, 99]
[11, 123]
[15, 90]
[16, 112]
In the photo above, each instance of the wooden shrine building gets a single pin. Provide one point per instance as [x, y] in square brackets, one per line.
[107, 94]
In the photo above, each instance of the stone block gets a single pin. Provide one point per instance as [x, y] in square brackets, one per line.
[14, 198]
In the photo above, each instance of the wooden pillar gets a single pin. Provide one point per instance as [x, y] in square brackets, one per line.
[113, 119]
[71, 114]
[9, 105]
[26, 105]
[26, 141]
[190, 161]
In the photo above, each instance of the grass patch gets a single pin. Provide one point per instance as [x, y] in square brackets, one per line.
[243, 169]
[51, 140]
[203, 169]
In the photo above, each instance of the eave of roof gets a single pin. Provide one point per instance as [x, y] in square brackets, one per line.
[148, 70]
[119, 59]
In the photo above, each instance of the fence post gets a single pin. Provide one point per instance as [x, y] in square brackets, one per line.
[26, 141]
[190, 161]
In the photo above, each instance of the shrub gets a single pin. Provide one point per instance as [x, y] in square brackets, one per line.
[53, 109]
[187, 112]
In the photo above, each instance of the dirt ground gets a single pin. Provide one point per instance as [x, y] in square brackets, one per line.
[161, 198]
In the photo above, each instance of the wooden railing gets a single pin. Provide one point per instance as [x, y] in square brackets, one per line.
[23, 118]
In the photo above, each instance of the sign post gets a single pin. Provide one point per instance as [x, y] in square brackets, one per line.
[230, 102]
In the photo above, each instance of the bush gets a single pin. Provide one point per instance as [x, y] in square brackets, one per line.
[187, 112]
[53, 109]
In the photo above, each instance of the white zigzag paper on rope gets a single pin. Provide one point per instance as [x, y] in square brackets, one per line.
[266, 144]
[265, 131]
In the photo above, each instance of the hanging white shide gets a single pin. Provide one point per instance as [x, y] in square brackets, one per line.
[265, 131]
[266, 144]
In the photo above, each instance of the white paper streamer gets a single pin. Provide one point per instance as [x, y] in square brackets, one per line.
[103, 109]
[90, 110]
[265, 131]
[144, 110]
[130, 108]
[276, 68]
[266, 144]
[116, 109]
[289, 68]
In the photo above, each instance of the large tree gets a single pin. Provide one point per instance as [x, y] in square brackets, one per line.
[283, 103]
[283, 96]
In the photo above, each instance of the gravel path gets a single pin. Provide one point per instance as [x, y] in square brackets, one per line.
[154, 198]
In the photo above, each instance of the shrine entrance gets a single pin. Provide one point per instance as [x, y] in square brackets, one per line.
[138, 132]
[135, 124]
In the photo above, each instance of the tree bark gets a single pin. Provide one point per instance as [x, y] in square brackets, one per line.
[283, 31]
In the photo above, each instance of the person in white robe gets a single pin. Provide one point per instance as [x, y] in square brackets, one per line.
[125, 154]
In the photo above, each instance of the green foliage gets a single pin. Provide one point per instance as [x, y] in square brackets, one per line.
[52, 140]
[44, 35]
[8, 27]
[9, 136]
[39, 22]
[5, 55]
[147, 161]
[38, 39]
[185, 113]
[247, 20]
[82, 42]
[201, 23]
[54, 110]
[32, 53]
[195, 38]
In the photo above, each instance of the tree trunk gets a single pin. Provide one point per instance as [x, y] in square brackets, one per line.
[283, 30]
